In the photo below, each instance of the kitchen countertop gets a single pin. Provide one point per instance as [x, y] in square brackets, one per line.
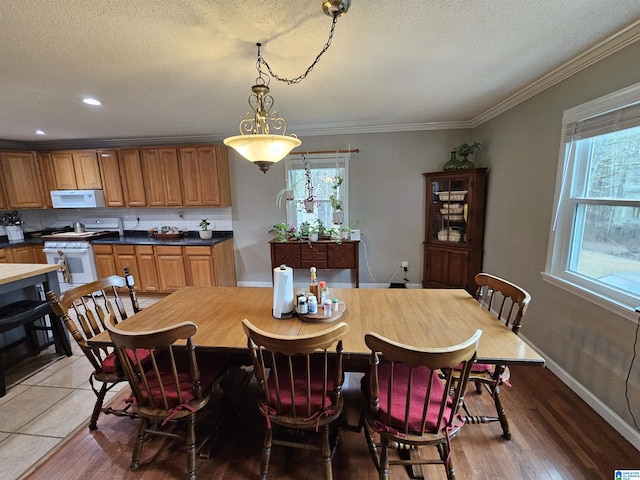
[136, 237]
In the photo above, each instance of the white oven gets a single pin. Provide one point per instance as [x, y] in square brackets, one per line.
[77, 264]
[74, 253]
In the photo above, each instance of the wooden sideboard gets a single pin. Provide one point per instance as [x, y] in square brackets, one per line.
[323, 254]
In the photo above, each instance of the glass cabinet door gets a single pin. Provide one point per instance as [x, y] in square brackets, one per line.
[449, 209]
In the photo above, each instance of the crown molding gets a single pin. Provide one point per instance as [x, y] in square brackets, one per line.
[615, 42]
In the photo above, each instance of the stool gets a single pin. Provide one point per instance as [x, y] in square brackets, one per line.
[25, 313]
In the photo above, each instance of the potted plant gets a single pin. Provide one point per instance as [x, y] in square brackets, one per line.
[205, 233]
[310, 198]
[283, 233]
[336, 202]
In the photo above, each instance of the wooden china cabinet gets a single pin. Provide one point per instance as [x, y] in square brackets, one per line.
[454, 228]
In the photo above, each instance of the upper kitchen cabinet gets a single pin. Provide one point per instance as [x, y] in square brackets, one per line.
[76, 170]
[204, 174]
[130, 164]
[111, 182]
[48, 176]
[21, 180]
[161, 177]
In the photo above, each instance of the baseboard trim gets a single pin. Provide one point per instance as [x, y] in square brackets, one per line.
[611, 417]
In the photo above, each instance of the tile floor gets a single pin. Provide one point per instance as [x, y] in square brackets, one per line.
[48, 399]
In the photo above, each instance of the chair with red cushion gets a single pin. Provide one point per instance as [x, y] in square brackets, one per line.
[301, 381]
[409, 405]
[84, 310]
[174, 388]
[508, 303]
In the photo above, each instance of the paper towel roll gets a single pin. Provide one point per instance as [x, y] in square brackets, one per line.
[282, 291]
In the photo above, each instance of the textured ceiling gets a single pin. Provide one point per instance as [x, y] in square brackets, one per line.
[185, 68]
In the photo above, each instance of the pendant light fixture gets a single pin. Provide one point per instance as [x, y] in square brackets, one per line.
[263, 137]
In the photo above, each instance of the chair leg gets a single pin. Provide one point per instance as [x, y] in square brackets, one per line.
[140, 438]
[266, 454]
[326, 452]
[502, 415]
[191, 446]
[445, 455]
[383, 468]
[97, 408]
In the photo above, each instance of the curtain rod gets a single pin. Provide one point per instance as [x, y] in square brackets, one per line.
[356, 150]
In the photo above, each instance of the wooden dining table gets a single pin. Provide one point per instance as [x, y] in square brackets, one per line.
[419, 317]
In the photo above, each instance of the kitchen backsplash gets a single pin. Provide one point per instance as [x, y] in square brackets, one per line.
[183, 218]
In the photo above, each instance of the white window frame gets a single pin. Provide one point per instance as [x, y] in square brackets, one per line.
[564, 214]
[334, 162]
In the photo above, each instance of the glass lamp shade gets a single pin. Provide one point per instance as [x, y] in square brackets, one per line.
[262, 149]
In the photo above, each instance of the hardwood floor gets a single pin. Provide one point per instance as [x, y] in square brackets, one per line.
[555, 436]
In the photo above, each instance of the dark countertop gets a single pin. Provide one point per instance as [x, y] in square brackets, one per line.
[135, 237]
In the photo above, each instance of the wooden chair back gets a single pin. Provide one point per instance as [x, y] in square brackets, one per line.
[84, 310]
[172, 374]
[407, 398]
[288, 368]
[504, 299]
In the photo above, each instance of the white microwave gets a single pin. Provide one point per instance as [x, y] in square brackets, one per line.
[77, 198]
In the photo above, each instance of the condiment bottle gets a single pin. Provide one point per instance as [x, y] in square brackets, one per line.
[302, 305]
[312, 304]
[321, 290]
[313, 284]
[327, 307]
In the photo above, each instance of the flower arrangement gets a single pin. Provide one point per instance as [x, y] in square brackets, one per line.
[465, 149]
[310, 197]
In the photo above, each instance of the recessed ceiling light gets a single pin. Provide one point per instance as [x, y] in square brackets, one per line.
[91, 101]
[40, 132]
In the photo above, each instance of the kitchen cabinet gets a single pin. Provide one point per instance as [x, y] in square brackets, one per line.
[21, 180]
[161, 177]
[171, 271]
[148, 280]
[110, 175]
[48, 176]
[166, 268]
[3, 198]
[23, 254]
[454, 228]
[131, 175]
[204, 172]
[76, 170]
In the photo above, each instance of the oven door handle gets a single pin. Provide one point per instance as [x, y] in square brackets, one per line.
[68, 252]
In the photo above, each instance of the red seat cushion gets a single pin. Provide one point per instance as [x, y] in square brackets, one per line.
[422, 376]
[109, 362]
[482, 368]
[211, 366]
[300, 386]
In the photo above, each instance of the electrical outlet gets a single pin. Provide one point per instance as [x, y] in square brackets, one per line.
[405, 264]
[181, 214]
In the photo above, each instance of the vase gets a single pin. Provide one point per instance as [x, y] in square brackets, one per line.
[205, 234]
[465, 164]
[453, 163]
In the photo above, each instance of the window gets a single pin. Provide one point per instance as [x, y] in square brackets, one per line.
[323, 171]
[595, 239]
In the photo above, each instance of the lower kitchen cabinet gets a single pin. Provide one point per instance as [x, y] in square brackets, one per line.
[451, 268]
[171, 272]
[23, 254]
[165, 269]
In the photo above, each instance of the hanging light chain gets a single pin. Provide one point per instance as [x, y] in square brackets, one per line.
[299, 78]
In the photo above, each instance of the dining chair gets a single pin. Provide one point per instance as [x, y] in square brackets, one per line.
[301, 383]
[84, 310]
[508, 303]
[409, 405]
[177, 385]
